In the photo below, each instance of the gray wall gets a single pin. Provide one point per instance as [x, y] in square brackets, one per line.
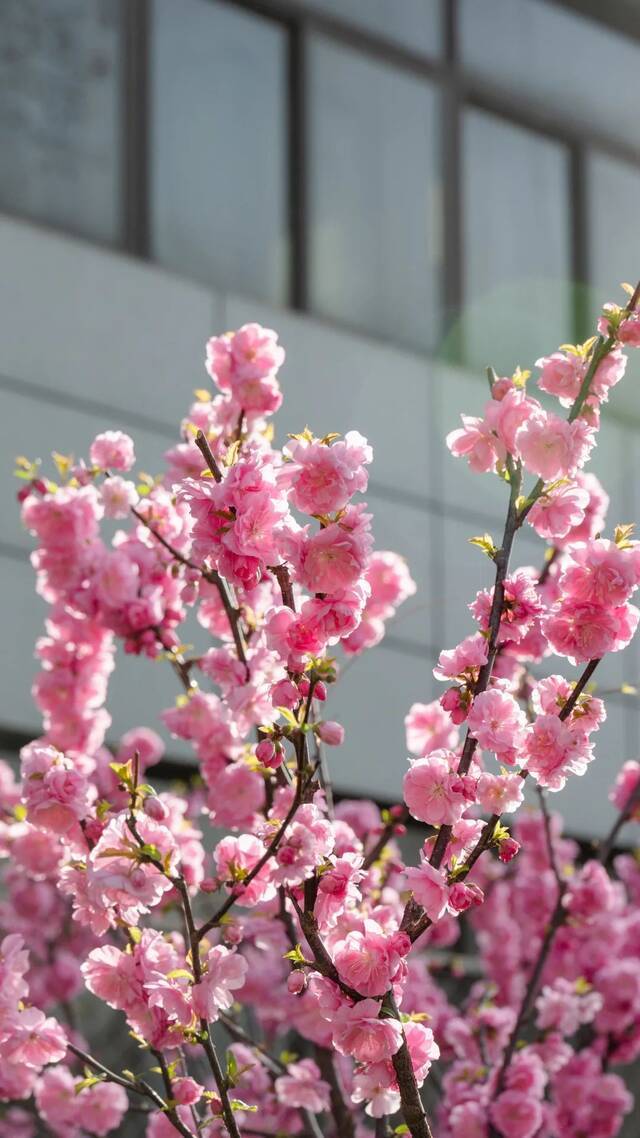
[91, 340]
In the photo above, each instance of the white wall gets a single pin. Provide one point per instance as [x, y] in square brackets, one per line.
[90, 340]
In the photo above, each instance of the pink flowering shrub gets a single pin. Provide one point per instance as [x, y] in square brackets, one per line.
[296, 975]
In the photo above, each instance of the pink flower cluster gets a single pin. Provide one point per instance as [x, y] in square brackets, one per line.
[304, 913]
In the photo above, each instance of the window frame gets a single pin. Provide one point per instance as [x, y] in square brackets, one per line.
[457, 92]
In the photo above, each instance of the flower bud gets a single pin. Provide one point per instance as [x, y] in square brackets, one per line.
[155, 808]
[508, 849]
[331, 733]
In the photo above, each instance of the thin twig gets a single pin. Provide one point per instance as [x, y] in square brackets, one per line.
[208, 456]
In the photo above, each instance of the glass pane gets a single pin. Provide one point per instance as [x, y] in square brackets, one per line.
[569, 66]
[516, 243]
[413, 23]
[218, 147]
[59, 114]
[374, 197]
[613, 196]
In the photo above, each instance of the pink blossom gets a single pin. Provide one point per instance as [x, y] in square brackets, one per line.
[584, 631]
[561, 375]
[432, 789]
[429, 888]
[302, 1087]
[429, 728]
[625, 788]
[553, 751]
[359, 1030]
[498, 723]
[118, 496]
[516, 1115]
[558, 511]
[376, 1085]
[112, 450]
[367, 960]
[56, 795]
[476, 442]
[601, 573]
[500, 794]
[225, 972]
[552, 447]
[324, 477]
[470, 654]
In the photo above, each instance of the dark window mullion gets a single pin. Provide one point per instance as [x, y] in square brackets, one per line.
[451, 175]
[298, 158]
[580, 239]
[136, 16]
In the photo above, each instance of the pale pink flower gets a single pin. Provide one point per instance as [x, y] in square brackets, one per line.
[559, 511]
[470, 654]
[302, 1087]
[429, 728]
[500, 794]
[112, 450]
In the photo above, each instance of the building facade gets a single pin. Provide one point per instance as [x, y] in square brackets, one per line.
[408, 190]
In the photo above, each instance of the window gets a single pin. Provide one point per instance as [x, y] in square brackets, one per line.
[60, 64]
[516, 243]
[571, 67]
[218, 209]
[614, 194]
[375, 234]
[415, 24]
[440, 174]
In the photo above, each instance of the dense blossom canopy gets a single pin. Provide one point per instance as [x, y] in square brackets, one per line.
[295, 975]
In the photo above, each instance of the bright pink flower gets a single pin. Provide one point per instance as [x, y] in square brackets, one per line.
[336, 556]
[591, 893]
[432, 789]
[553, 751]
[112, 450]
[367, 960]
[360, 1031]
[601, 573]
[583, 631]
[324, 477]
[429, 888]
[234, 858]
[225, 972]
[498, 723]
[516, 1115]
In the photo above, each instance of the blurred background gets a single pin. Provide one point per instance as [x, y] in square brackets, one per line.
[407, 190]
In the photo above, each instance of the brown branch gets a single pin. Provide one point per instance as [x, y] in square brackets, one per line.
[135, 1086]
[208, 456]
[255, 870]
[411, 1104]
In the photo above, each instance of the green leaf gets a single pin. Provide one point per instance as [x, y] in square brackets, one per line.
[485, 543]
[296, 955]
